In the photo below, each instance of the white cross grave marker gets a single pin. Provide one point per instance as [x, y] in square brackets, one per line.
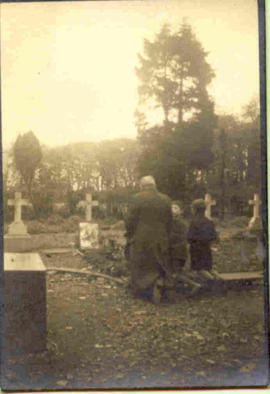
[89, 232]
[18, 227]
[208, 204]
[88, 203]
[256, 202]
[18, 203]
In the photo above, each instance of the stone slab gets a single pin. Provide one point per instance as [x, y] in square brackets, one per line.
[89, 236]
[13, 244]
[25, 303]
[241, 276]
[57, 250]
[17, 229]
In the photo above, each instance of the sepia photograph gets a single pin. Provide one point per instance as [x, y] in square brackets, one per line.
[134, 220]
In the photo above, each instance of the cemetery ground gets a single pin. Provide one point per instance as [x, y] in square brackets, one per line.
[99, 336]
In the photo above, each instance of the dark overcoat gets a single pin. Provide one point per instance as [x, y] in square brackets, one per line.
[200, 235]
[178, 243]
[148, 228]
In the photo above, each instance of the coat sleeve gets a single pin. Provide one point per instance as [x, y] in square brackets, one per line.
[190, 233]
[212, 232]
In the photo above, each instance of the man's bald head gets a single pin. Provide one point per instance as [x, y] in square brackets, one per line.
[147, 182]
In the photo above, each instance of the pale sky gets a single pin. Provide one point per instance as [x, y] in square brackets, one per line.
[68, 68]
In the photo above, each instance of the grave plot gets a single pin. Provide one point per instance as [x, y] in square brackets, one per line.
[100, 337]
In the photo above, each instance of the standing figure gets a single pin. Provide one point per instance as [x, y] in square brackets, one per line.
[148, 227]
[178, 248]
[201, 234]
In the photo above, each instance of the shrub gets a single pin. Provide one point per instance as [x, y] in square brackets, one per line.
[71, 224]
[36, 227]
[109, 260]
[55, 219]
[239, 221]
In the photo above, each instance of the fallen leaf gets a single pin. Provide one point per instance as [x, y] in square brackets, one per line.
[200, 373]
[247, 368]
[62, 382]
[198, 336]
[221, 348]
[139, 312]
[237, 361]
[98, 346]
[82, 298]
[210, 361]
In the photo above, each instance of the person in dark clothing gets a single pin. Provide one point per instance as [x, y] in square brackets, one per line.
[178, 248]
[200, 235]
[148, 227]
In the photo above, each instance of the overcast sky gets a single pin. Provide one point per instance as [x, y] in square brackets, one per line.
[68, 67]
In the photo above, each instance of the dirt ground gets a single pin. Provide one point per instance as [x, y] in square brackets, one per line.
[99, 336]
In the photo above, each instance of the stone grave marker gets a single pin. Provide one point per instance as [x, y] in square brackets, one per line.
[89, 231]
[256, 202]
[17, 239]
[208, 204]
[25, 302]
[255, 227]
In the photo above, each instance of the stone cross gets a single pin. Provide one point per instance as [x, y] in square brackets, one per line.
[18, 202]
[88, 204]
[256, 202]
[208, 204]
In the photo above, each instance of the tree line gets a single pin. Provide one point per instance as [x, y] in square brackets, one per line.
[180, 140]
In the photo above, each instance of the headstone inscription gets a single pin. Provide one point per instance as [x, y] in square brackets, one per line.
[208, 204]
[17, 239]
[25, 302]
[89, 231]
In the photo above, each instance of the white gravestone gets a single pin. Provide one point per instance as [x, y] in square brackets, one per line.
[208, 204]
[17, 227]
[89, 231]
[25, 302]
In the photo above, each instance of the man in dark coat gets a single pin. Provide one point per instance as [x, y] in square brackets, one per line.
[148, 228]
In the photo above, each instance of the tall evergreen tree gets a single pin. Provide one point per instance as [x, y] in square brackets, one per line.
[27, 157]
[173, 78]
[174, 74]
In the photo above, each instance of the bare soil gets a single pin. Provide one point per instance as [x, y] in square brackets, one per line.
[99, 336]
